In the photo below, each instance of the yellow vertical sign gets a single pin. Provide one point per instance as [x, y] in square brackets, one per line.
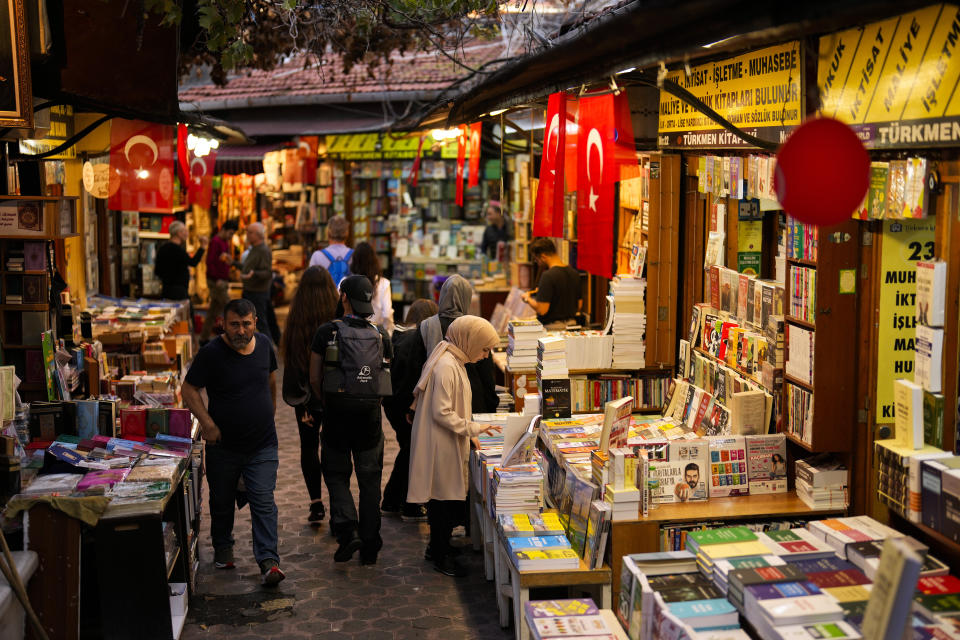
[905, 242]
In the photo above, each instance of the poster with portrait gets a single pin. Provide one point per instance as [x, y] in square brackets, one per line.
[16, 98]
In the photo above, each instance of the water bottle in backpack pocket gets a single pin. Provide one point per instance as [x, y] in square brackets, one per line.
[354, 363]
[339, 268]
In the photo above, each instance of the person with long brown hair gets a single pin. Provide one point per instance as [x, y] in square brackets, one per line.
[313, 304]
[366, 263]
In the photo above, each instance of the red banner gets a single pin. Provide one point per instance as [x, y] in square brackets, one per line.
[596, 167]
[415, 170]
[183, 157]
[141, 165]
[308, 148]
[461, 157]
[548, 211]
[475, 131]
[570, 150]
[200, 186]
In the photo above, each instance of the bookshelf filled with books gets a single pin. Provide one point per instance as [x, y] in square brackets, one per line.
[25, 312]
[821, 318]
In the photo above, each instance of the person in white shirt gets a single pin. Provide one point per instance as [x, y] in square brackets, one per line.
[335, 257]
[366, 263]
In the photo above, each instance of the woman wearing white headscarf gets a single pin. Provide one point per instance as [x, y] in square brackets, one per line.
[442, 428]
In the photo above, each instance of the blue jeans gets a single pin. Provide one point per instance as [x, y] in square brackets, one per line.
[337, 468]
[259, 471]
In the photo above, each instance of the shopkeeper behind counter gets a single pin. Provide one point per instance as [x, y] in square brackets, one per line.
[557, 298]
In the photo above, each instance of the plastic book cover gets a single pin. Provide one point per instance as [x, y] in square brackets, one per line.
[682, 477]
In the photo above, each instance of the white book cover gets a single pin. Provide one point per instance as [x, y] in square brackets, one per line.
[801, 609]
[836, 630]
[929, 358]
[908, 413]
[931, 292]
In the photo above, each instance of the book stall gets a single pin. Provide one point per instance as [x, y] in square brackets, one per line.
[105, 472]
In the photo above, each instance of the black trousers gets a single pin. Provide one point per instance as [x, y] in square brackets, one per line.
[310, 453]
[395, 493]
[443, 516]
[345, 517]
[261, 302]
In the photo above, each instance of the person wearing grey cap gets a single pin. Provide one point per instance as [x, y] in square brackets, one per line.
[349, 372]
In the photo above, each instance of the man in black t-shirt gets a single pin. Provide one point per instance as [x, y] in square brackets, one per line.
[557, 298]
[352, 434]
[238, 370]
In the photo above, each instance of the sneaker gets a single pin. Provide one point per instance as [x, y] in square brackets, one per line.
[317, 513]
[451, 566]
[270, 573]
[223, 558]
[347, 548]
[413, 513]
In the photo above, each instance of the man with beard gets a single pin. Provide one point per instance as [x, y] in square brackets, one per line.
[238, 370]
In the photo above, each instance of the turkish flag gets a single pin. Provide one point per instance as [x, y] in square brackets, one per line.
[183, 157]
[200, 186]
[475, 130]
[548, 210]
[461, 156]
[308, 147]
[597, 172]
[570, 150]
[141, 165]
[415, 170]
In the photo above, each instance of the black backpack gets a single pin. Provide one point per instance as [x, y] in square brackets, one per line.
[354, 362]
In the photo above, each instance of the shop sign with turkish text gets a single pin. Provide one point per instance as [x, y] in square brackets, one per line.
[759, 92]
[895, 81]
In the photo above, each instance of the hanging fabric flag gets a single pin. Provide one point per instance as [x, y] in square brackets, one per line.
[570, 152]
[308, 148]
[595, 190]
[200, 185]
[461, 157]
[548, 210]
[141, 165]
[415, 170]
[183, 156]
[475, 130]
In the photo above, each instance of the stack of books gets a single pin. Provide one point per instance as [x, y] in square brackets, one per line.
[551, 358]
[517, 489]
[522, 336]
[565, 618]
[629, 322]
[841, 532]
[822, 482]
[545, 559]
[770, 605]
[529, 524]
[795, 544]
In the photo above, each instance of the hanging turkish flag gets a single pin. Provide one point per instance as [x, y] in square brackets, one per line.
[570, 151]
[595, 185]
[308, 147]
[183, 157]
[548, 210]
[475, 130]
[200, 187]
[415, 170]
[461, 156]
[141, 165]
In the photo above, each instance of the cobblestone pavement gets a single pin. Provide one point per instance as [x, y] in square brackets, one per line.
[399, 597]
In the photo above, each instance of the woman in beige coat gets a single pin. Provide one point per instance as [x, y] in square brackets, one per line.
[442, 428]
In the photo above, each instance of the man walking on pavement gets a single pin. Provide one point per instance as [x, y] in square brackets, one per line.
[238, 370]
[349, 371]
[219, 259]
[257, 273]
[172, 263]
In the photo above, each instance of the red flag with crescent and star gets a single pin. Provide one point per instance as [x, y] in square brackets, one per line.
[200, 187]
[415, 169]
[548, 210]
[605, 146]
[475, 130]
[308, 148]
[141, 165]
[461, 157]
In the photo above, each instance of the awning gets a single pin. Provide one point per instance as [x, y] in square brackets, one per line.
[244, 159]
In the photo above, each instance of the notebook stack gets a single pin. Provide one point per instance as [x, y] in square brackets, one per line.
[529, 524]
[795, 544]
[822, 482]
[551, 358]
[771, 605]
[629, 322]
[517, 489]
[522, 336]
[838, 533]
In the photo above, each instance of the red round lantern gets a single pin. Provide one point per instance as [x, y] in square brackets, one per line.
[823, 172]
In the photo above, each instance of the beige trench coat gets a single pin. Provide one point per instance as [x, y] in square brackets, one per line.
[440, 442]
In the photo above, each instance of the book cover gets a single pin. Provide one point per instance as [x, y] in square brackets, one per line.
[88, 423]
[179, 422]
[597, 526]
[560, 608]
[928, 358]
[908, 413]
[931, 292]
[888, 610]
[35, 256]
[728, 467]
[156, 422]
[796, 544]
[583, 494]
[133, 422]
[682, 476]
[616, 423]
[933, 585]
[573, 626]
[537, 542]
[767, 463]
[556, 397]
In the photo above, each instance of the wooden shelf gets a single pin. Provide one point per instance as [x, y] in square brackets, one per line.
[800, 443]
[734, 508]
[800, 323]
[21, 346]
[803, 261]
[31, 306]
[797, 381]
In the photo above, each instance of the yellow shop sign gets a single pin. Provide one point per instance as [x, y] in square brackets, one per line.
[760, 92]
[894, 81]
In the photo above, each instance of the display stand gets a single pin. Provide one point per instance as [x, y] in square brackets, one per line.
[642, 535]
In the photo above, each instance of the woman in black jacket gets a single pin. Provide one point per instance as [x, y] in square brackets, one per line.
[314, 304]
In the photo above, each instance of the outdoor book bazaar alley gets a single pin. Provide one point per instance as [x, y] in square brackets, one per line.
[595, 319]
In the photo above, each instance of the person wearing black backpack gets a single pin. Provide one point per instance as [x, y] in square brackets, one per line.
[350, 372]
